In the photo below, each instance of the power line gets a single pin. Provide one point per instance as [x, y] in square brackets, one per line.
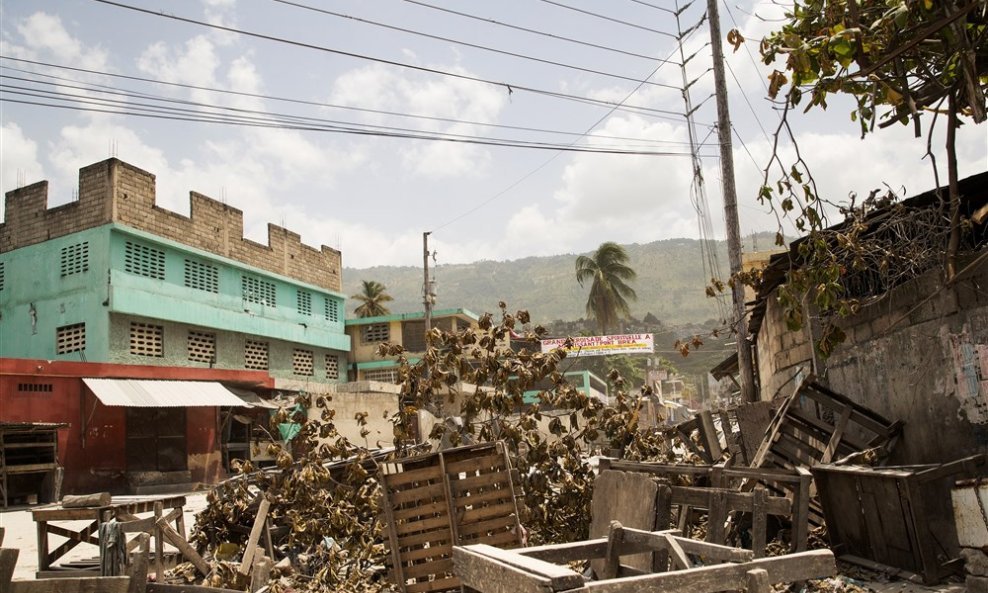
[468, 44]
[662, 8]
[292, 101]
[532, 31]
[117, 107]
[607, 18]
[546, 163]
[508, 86]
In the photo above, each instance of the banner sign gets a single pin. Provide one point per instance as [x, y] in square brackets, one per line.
[603, 345]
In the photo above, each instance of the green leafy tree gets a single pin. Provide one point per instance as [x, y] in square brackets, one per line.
[918, 62]
[609, 273]
[372, 297]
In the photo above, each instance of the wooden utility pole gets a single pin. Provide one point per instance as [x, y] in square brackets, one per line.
[745, 364]
[426, 287]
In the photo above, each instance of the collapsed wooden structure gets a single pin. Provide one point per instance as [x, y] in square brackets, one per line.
[539, 569]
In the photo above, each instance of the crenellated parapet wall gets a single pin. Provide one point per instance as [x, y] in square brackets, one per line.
[115, 191]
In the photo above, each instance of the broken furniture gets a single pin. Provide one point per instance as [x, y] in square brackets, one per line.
[717, 489]
[121, 508]
[432, 502]
[896, 516]
[96, 584]
[538, 570]
[29, 460]
[815, 425]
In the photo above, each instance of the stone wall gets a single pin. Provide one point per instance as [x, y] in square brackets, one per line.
[920, 355]
[114, 191]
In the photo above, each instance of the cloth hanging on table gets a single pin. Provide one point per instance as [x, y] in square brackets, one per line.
[112, 549]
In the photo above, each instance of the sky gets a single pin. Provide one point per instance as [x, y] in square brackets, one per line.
[557, 74]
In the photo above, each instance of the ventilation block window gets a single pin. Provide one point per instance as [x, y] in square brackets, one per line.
[332, 312]
[304, 302]
[35, 387]
[2, 273]
[201, 276]
[375, 332]
[302, 362]
[144, 261]
[332, 367]
[258, 291]
[70, 338]
[74, 259]
[147, 339]
[202, 347]
[382, 375]
[256, 355]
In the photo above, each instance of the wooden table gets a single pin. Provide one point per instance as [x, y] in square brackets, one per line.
[122, 508]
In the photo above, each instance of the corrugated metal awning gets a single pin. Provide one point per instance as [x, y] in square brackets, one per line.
[143, 393]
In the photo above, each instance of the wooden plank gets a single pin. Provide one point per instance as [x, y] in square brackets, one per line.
[159, 545]
[430, 552]
[162, 588]
[676, 552]
[412, 476]
[756, 581]
[708, 435]
[445, 584]
[759, 522]
[78, 585]
[612, 558]
[492, 480]
[736, 501]
[389, 521]
[491, 575]
[437, 536]
[717, 516]
[723, 577]
[568, 552]
[560, 577]
[75, 501]
[417, 495]
[255, 534]
[489, 525]
[427, 510]
[409, 527]
[138, 568]
[505, 509]
[476, 498]
[183, 546]
[434, 568]
[486, 463]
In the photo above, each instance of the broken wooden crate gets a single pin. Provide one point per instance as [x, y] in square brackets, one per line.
[895, 516]
[815, 425]
[432, 502]
[717, 490]
[539, 569]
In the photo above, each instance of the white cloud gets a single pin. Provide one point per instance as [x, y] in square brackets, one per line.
[195, 63]
[19, 165]
[379, 87]
[44, 35]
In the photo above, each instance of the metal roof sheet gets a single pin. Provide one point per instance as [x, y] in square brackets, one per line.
[143, 393]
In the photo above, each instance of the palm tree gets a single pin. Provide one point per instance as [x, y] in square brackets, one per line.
[608, 268]
[372, 299]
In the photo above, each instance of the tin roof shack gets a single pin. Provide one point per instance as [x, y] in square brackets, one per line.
[129, 426]
[917, 349]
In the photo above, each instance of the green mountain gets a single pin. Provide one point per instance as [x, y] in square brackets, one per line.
[671, 282]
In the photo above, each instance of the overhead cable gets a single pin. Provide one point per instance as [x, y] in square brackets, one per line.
[507, 86]
[469, 44]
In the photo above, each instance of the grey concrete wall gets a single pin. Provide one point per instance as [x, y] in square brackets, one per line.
[919, 355]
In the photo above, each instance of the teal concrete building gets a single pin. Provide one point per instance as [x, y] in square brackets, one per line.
[114, 278]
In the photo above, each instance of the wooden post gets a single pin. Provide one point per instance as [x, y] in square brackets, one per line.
[183, 546]
[8, 560]
[757, 581]
[262, 571]
[801, 512]
[663, 519]
[42, 546]
[759, 523]
[255, 534]
[138, 569]
[612, 564]
[159, 545]
[716, 516]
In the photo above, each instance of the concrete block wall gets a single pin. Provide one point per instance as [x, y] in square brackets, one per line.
[919, 355]
[115, 191]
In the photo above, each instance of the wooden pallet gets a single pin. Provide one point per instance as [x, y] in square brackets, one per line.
[433, 502]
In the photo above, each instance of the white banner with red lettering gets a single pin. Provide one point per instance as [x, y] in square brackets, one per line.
[603, 345]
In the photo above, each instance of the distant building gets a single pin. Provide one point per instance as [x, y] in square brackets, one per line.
[405, 329]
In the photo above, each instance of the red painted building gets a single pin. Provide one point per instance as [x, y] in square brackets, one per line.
[129, 425]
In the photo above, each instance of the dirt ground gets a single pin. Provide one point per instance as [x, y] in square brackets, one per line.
[22, 534]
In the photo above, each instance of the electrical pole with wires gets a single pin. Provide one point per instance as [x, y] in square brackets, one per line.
[428, 294]
[745, 364]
